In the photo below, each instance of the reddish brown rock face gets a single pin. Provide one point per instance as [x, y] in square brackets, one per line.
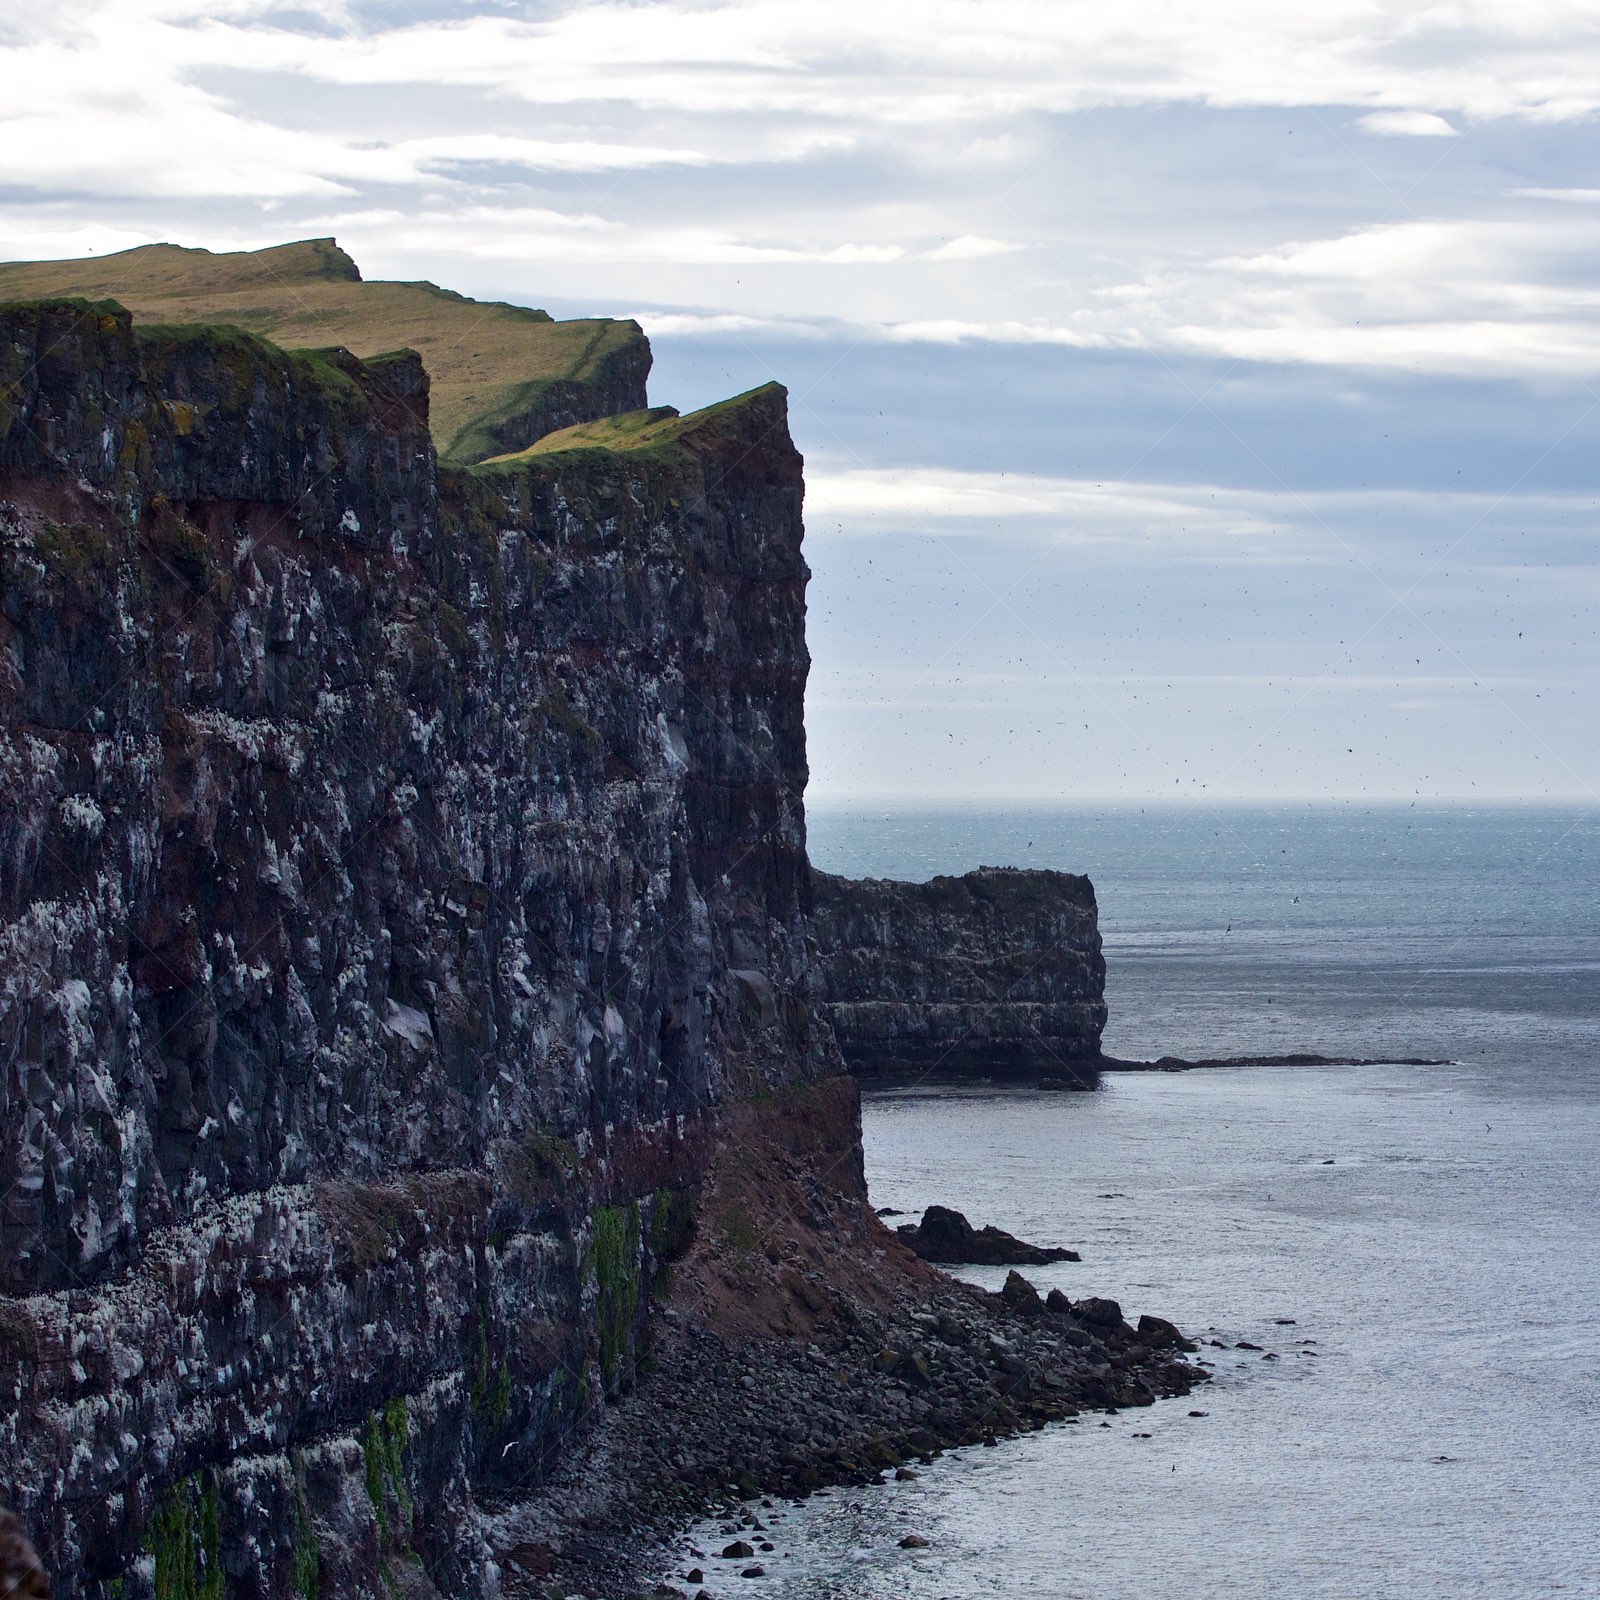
[400, 873]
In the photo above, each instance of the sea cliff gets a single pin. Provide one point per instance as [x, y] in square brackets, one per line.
[997, 974]
[401, 870]
[408, 988]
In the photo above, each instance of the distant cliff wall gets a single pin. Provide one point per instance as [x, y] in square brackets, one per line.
[401, 872]
[996, 973]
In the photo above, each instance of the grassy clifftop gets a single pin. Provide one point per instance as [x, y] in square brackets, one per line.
[658, 430]
[502, 375]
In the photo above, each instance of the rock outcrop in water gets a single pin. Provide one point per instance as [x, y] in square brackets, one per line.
[947, 1237]
[997, 973]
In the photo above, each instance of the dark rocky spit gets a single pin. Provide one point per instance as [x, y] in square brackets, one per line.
[1184, 1064]
[718, 1421]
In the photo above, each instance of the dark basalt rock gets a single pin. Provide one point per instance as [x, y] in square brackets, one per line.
[1097, 1313]
[1300, 1059]
[945, 1236]
[997, 973]
[1160, 1334]
[1021, 1295]
[401, 872]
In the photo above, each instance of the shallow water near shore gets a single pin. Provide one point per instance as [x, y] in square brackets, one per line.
[1428, 1232]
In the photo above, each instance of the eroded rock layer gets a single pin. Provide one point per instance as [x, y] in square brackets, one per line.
[401, 873]
[997, 973]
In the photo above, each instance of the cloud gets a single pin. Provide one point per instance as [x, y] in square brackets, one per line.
[106, 94]
[1576, 197]
[1214, 520]
[552, 155]
[1464, 296]
[1407, 124]
[969, 248]
[702, 324]
[891, 63]
[720, 148]
[913, 497]
[953, 330]
[1451, 296]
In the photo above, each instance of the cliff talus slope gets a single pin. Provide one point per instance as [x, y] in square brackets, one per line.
[401, 872]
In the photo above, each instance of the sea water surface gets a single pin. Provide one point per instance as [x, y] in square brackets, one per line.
[1416, 1246]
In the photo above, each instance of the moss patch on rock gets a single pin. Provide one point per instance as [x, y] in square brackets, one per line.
[185, 1537]
[614, 1256]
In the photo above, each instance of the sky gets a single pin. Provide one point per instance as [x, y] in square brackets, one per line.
[1199, 399]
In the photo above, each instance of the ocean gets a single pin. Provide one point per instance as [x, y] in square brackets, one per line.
[1413, 1249]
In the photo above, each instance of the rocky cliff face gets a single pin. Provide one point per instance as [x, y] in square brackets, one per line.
[997, 973]
[402, 873]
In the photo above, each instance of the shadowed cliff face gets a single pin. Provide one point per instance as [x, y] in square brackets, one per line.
[997, 973]
[399, 872]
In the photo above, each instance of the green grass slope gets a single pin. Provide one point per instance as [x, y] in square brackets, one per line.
[499, 372]
[658, 431]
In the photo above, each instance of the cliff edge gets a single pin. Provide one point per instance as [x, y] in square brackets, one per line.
[501, 375]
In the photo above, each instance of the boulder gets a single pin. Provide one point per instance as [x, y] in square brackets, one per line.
[1094, 1312]
[945, 1236]
[1160, 1334]
[1021, 1295]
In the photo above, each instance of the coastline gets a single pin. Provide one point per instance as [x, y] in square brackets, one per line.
[809, 1350]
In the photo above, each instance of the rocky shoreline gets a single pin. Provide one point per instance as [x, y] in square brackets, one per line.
[719, 1421]
[802, 1361]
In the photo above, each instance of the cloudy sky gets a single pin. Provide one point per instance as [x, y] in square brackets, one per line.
[1198, 398]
